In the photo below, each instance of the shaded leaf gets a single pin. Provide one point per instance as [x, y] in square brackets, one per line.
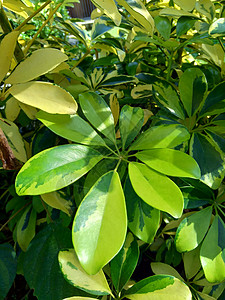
[192, 262]
[56, 200]
[163, 269]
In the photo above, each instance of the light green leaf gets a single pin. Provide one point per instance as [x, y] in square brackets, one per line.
[217, 28]
[192, 230]
[12, 109]
[123, 264]
[143, 218]
[140, 13]
[18, 7]
[159, 268]
[166, 94]
[212, 252]
[216, 54]
[206, 7]
[193, 88]
[131, 121]
[14, 138]
[75, 275]
[170, 162]
[45, 96]
[165, 195]
[40, 62]
[98, 113]
[71, 127]
[25, 230]
[209, 159]
[187, 5]
[192, 262]
[79, 298]
[169, 11]
[100, 223]
[162, 136]
[55, 168]
[110, 9]
[7, 48]
[159, 287]
[56, 200]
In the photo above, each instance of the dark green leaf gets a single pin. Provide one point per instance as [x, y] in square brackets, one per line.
[163, 25]
[184, 24]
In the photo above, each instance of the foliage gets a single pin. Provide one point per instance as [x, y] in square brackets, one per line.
[112, 151]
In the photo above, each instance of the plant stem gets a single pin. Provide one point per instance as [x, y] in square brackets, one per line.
[33, 15]
[13, 216]
[81, 59]
[169, 66]
[43, 203]
[40, 29]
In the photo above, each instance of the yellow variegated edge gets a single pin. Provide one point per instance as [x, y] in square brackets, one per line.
[75, 274]
[55, 200]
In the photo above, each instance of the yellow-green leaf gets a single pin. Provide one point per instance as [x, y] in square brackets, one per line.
[75, 274]
[12, 109]
[110, 9]
[159, 268]
[186, 4]
[7, 48]
[40, 62]
[56, 200]
[45, 96]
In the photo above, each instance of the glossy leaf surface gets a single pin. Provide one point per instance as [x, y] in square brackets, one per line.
[47, 171]
[170, 162]
[123, 264]
[41, 266]
[45, 96]
[42, 61]
[56, 200]
[192, 262]
[131, 121]
[98, 113]
[159, 287]
[164, 269]
[100, 223]
[212, 252]
[71, 127]
[162, 136]
[192, 230]
[156, 189]
[143, 219]
[75, 275]
[209, 159]
[193, 88]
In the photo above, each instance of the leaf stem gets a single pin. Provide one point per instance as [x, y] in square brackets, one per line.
[169, 66]
[43, 203]
[33, 15]
[40, 29]
[13, 216]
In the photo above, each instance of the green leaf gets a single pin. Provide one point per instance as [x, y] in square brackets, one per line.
[192, 262]
[118, 80]
[131, 121]
[41, 266]
[169, 11]
[184, 24]
[100, 223]
[162, 136]
[165, 195]
[8, 264]
[143, 219]
[140, 13]
[38, 63]
[7, 48]
[192, 230]
[170, 162]
[217, 28]
[166, 95]
[55, 168]
[212, 252]
[163, 25]
[98, 113]
[159, 287]
[124, 263]
[57, 200]
[209, 159]
[159, 268]
[217, 134]
[99, 27]
[75, 275]
[215, 101]
[25, 230]
[206, 7]
[71, 127]
[193, 88]
[45, 96]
